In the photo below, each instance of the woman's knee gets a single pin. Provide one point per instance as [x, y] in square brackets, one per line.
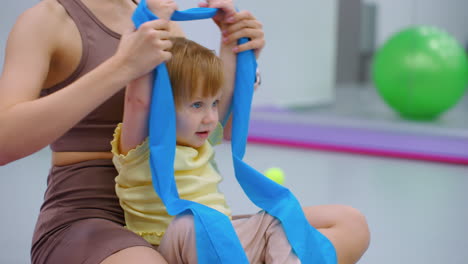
[347, 219]
[350, 215]
[355, 220]
[355, 235]
[327, 216]
[345, 226]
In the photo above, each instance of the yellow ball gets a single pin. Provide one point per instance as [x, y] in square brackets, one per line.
[275, 174]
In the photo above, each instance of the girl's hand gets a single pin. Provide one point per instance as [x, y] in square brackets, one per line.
[226, 10]
[244, 25]
[235, 25]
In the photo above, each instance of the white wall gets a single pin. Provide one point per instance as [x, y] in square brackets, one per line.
[394, 15]
[298, 61]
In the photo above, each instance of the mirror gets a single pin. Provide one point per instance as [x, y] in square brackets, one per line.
[349, 113]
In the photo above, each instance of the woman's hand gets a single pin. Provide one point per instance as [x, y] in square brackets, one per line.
[141, 50]
[244, 25]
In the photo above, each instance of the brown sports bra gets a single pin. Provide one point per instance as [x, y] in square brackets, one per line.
[94, 132]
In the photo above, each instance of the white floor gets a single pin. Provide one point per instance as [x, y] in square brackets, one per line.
[417, 211]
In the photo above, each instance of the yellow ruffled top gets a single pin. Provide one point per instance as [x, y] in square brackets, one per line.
[196, 179]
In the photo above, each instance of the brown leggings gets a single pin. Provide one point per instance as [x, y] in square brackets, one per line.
[81, 221]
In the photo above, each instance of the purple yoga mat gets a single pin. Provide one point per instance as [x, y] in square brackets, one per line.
[372, 141]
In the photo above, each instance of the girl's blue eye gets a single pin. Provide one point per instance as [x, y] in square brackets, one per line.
[215, 103]
[197, 105]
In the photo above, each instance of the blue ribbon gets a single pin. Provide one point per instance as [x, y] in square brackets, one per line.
[216, 239]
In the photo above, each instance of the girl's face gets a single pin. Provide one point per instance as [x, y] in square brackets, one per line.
[196, 120]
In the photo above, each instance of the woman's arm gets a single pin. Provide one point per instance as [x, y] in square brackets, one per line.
[29, 123]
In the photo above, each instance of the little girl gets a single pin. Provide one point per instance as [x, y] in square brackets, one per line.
[201, 97]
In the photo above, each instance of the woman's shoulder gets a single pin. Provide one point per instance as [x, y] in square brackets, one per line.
[45, 16]
[35, 37]
[42, 28]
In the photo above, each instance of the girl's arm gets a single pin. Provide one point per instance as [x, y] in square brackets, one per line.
[136, 113]
[29, 123]
[138, 92]
[234, 25]
[228, 56]
[242, 25]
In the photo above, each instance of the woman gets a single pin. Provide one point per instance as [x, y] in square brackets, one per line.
[77, 56]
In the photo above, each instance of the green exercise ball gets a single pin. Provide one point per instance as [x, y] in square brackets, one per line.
[420, 72]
